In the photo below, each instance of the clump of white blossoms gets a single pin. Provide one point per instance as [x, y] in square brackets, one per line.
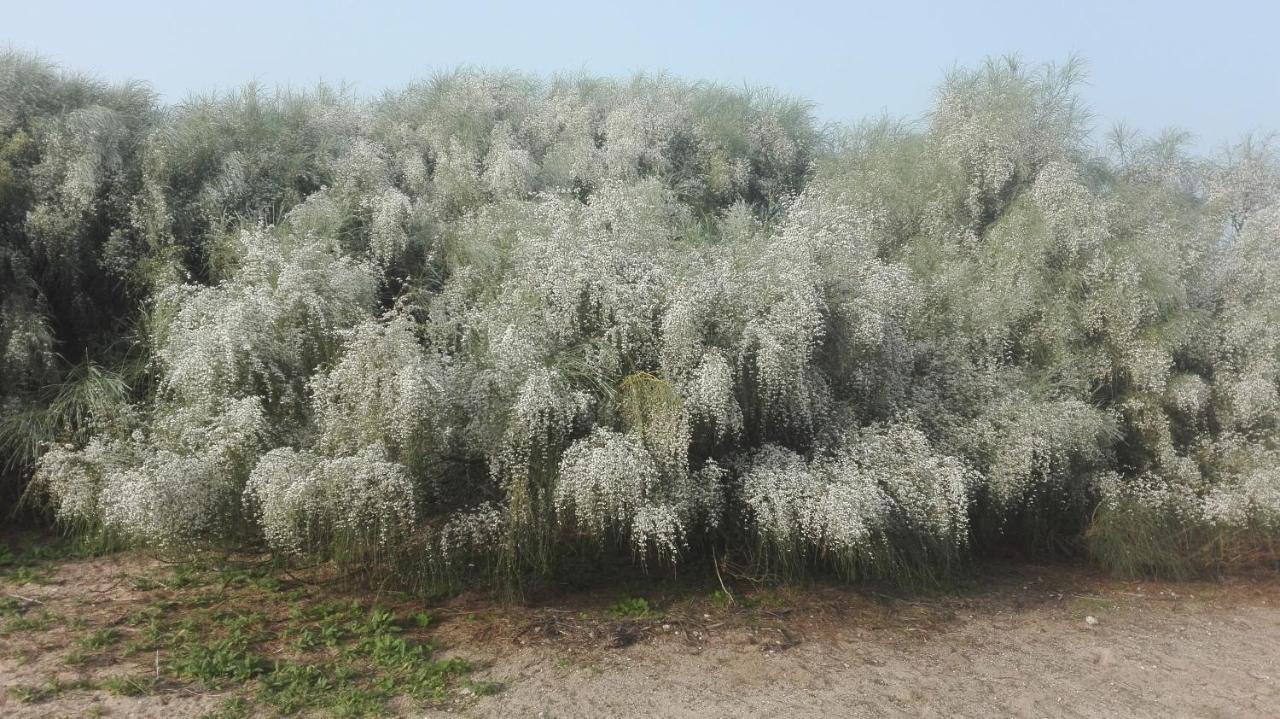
[176, 485]
[263, 331]
[605, 480]
[849, 500]
[383, 392]
[471, 534]
[799, 507]
[1029, 449]
[306, 503]
[710, 398]
[540, 423]
[929, 492]
[610, 486]
[74, 478]
[388, 232]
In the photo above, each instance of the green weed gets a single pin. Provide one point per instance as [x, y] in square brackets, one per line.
[632, 608]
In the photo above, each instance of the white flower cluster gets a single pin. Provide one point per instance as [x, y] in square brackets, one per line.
[710, 398]
[26, 344]
[1000, 123]
[308, 503]
[262, 332]
[875, 483]
[526, 457]
[1249, 500]
[1034, 448]
[1254, 499]
[388, 234]
[178, 485]
[929, 492]
[605, 479]
[472, 534]
[74, 478]
[610, 485]
[381, 392]
[508, 168]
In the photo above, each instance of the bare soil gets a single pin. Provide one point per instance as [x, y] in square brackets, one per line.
[1022, 641]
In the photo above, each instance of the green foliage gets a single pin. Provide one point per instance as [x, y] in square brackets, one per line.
[237, 631]
[1133, 538]
[484, 688]
[631, 608]
[36, 693]
[130, 686]
[99, 640]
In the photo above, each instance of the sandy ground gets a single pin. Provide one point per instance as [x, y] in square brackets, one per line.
[1164, 660]
[1035, 642]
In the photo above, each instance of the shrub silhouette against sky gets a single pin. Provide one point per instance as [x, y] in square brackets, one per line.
[492, 319]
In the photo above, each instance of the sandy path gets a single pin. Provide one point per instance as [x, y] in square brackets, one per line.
[1202, 663]
[1145, 657]
[1020, 648]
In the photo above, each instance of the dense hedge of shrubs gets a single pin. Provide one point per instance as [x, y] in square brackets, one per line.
[491, 321]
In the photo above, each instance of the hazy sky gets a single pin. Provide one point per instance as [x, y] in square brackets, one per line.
[1209, 67]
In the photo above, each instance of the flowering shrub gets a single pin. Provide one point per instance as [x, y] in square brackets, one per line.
[306, 503]
[858, 498]
[381, 392]
[178, 484]
[490, 317]
[605, 481]
[262, 332]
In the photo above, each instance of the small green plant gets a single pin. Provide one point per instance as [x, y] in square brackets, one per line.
[380, 621]
[233, 708]
[185, 576]
[11, 606]
[130, 686]
[146, 615]
[720, 599]
[29, 575]
[293, 687]
[39, 622]
[217, 662]
[484, 688]
[632, 608]
[36, 693]
[28, 693]
[99, 640]
[146, 584]
[75, 657]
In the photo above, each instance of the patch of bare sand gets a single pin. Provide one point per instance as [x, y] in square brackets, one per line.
[1041, 662]
[1022, 650]
[1020, 647]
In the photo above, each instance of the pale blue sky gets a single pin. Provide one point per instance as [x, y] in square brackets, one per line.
[1212, 68]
